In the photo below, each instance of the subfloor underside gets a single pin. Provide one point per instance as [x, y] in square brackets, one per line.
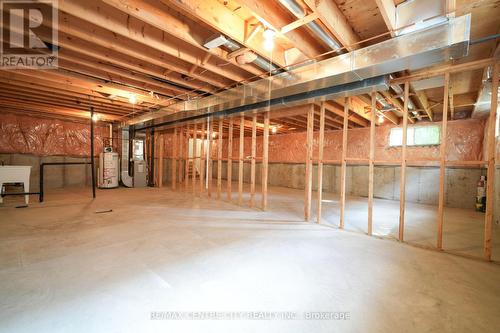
[69, 266]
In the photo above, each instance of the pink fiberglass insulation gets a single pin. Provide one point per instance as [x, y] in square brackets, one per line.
[464, 142]
[45, 136]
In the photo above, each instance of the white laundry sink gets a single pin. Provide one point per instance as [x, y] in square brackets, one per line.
[16, 174]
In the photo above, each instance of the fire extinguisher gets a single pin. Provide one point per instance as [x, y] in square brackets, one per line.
[481, 195]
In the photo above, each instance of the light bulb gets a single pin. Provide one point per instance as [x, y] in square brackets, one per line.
[268, 44]
[132, 99]
[269, 34]
[381, 119]
[274, 129]
[95, 117]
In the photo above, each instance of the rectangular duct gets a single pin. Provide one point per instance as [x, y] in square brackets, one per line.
[437, 44]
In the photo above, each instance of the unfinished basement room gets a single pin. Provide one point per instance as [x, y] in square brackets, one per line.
[249, 166]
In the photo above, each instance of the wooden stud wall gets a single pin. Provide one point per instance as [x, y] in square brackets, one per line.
[182, 135]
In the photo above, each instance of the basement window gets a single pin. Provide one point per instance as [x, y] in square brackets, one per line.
[416, 136]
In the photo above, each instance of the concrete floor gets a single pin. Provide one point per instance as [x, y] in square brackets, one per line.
[65, 268]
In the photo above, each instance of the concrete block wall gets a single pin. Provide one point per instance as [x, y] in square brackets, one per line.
[422, 183]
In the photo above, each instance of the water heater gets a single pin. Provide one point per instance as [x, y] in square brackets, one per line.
[108, 169]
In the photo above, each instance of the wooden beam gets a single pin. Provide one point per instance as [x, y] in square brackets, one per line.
[422, 97]
[335, 21]
[252, 166]
[230, 160]
[273, 14]
[219, 159]
[241, 159]
[106, 17]
[402, 184]
[210, 12]
[442, 163]
[343, 168]
[309, 164]
[265, 160]
[371, 158]
[441, 70]
[388, 11]
[320, 159]
[490, 184]
[298, 23]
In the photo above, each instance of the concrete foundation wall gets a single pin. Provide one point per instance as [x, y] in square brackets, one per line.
[422, 183]
[55, 176]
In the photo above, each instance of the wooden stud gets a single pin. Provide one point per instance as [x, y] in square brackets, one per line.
[159, 168]
[181, 154]
[402, 184]
[320, 158]
[490, 184]
[219, 160]
[186, 165]
[343, 168]
[202, 159]
[174, 160]
[252, 166]
[309, 165]
[265, 159]
[195, 157]
[230, 160]
[442, 163]
[371, 157]
[209, 156]
[241, 160]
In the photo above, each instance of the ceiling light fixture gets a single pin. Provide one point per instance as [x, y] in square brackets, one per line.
[274, 129]
[269, 36]
[381, 118]
[95, 117]
[132, 99]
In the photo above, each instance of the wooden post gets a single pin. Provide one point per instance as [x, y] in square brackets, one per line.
[309, 165]
[265, 159]
[442, 163]
[186, 166]
[230, 160]
[490, 184]
[174, 159]
[181, 154]
[159, 172]
[219, 160]
[320, 158]
[402, 184]
[241, 160]
[371, 167]
[195, 157]
[209, 157]
[252, 166]
[343, 168]
[202, 159]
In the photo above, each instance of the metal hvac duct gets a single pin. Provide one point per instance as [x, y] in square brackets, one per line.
[259, 61]
[440, 43]
[298, 11]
